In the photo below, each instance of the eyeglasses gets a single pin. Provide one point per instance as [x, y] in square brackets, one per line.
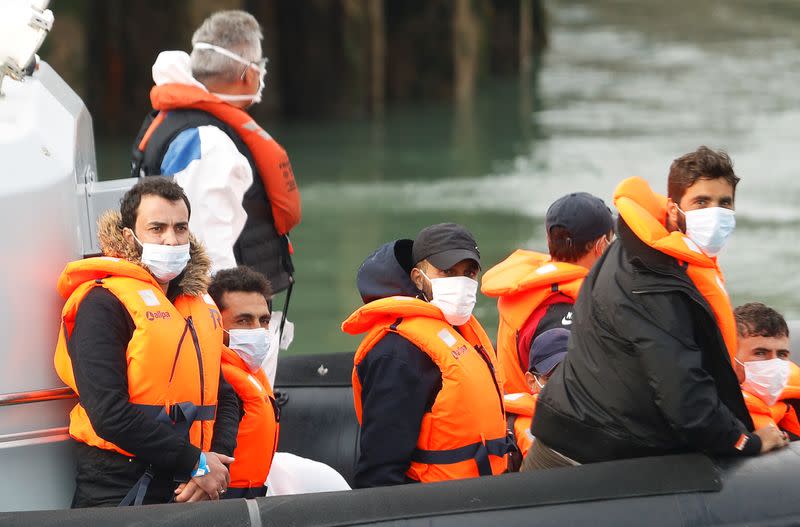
[259, 65]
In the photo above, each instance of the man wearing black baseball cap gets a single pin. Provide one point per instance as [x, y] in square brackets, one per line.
[536, 291]
[424, 361]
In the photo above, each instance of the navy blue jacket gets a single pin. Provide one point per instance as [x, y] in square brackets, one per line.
[399, 381]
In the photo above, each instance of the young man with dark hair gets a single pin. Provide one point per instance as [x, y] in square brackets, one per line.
[424, 384]
[649, 369]
[141, 344]
[242, 295]
[770, 381]
[536, 291]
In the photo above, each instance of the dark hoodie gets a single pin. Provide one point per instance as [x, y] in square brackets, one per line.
[399, 381]
[97, 346]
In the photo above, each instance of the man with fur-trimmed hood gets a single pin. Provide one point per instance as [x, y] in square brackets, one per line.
[140, 342]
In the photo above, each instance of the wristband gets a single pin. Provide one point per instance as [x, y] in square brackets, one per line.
[202, 467]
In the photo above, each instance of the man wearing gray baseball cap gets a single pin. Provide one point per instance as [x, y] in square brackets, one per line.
[425, 381]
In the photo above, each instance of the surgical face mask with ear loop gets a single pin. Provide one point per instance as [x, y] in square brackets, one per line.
[455, 296]
[259, 66]
[164, 261]
[766, 379]
[710, 228]
[252, 345]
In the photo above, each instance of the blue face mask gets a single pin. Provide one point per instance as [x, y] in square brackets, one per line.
[710, 228]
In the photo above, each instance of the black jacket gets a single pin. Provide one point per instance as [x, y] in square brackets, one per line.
[399, 381]
[647, 372]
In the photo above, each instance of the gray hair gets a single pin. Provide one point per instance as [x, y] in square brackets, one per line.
[236, 31]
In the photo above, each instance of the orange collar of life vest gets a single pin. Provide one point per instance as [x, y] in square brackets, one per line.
[645, 213]
[79, 272]
[393, 307]
[524, 270]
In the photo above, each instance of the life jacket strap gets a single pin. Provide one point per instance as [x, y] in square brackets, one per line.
[479, 451]
[181, 415]
[245, 492]
[135, 496]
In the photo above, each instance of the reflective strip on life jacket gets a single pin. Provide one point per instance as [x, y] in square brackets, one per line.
[523, 282]
[464, 434]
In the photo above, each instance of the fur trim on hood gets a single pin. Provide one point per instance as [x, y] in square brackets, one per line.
[194, 279]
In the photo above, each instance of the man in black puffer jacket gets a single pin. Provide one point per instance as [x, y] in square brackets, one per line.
[648, 370]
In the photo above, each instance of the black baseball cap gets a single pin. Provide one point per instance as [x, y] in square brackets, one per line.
[586, 217]
[444, 245]
[548, 350]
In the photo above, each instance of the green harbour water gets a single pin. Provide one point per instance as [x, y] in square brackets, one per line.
[625, 87]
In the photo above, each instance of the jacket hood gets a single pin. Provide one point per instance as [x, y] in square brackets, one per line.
[174, 67]
[386, 272]
[524, 270]
[119, 258]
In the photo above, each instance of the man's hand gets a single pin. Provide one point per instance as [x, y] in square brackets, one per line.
[210, 486]
[771, 438]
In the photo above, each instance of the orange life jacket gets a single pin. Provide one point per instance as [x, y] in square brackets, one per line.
[645, 213]
[257, 440]
[522, 282]
[464, 434]
[270, 158]
[780, 414]
[173, 358]
[520, 408]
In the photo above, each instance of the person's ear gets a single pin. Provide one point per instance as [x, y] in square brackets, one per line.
[127, 235]
[530, 379]
[738, 368]
[418, 279]
[600, 246]
[672, 214]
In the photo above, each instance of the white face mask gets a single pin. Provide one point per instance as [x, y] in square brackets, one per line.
[766, 379]
[260, 67]
[455, 296]
[164, 261]
[252, 345]
[277, 343]
[710, 228]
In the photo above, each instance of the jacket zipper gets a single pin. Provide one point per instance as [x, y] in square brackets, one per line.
[196, 342]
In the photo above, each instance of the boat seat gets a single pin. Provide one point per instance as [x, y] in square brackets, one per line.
[318, 420]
